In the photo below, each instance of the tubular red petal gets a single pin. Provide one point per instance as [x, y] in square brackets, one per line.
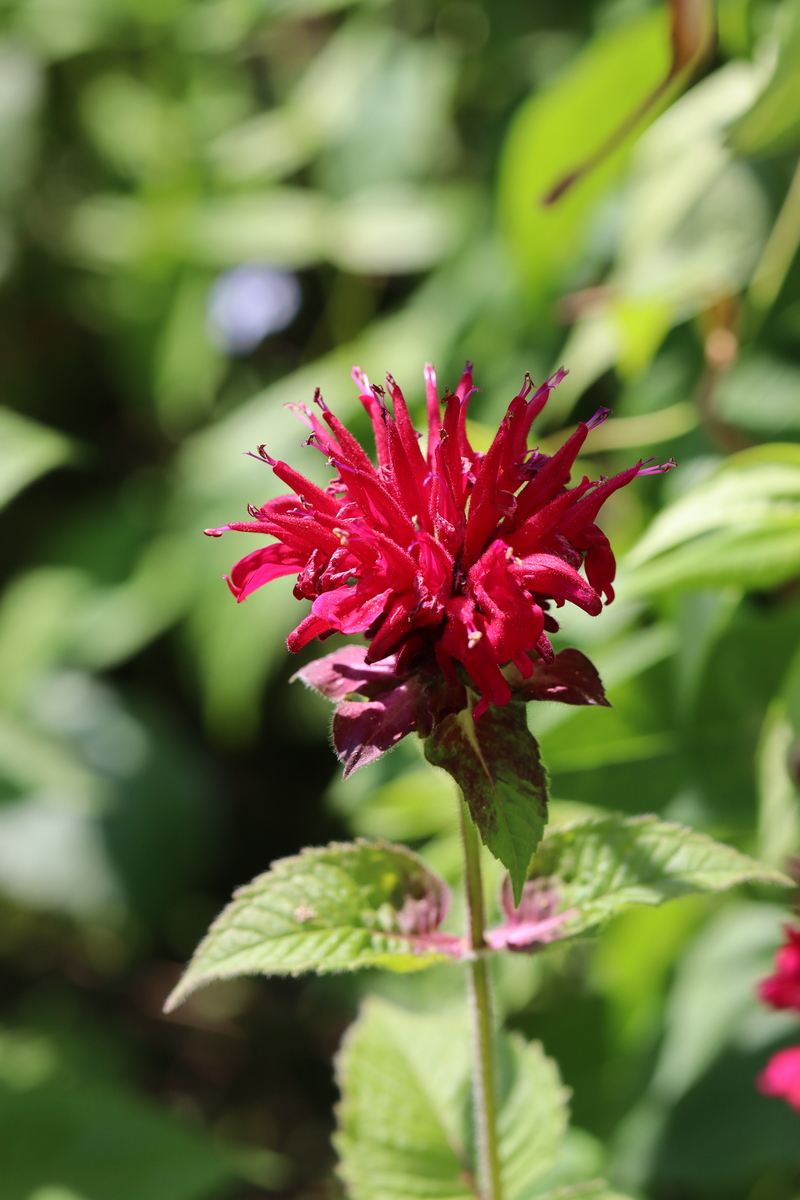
[434, 415]
[527, 537]
[551, 576]
[407, 476]
[350, 609]
[396, 625]
[351, 449]
[484, 511]
[320, 436]
[532, 409]
[586, 510]
[408, 435]
[465, 386]
[262, 566]
[512, 621]
[377, 414]
[548, 482]
[313, 496]
[464, 639]
[308, 629]
[377, 503]
[600, 565]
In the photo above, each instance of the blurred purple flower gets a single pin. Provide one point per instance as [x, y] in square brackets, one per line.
[248, 303]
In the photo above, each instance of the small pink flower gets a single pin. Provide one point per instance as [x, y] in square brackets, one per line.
[781, 1076]
[782, 990]
[443, 556]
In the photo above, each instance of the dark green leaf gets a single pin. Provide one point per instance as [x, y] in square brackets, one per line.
[27, 450]
[94, 1140]
[495, 761]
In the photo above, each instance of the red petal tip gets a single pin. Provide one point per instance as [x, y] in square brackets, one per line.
[360, 379]
[601, 415]
[651, 467]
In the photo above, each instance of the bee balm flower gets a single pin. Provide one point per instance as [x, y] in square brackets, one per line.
[781, 1076]
[782, 990]
[447, 560]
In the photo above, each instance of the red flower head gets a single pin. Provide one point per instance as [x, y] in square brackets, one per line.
[781, 1076]
[782, 990]
[440, 556]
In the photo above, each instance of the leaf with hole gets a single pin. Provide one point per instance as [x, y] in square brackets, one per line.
[587, 872]
[333, 908]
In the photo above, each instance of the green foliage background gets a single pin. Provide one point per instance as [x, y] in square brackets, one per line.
[152, 755]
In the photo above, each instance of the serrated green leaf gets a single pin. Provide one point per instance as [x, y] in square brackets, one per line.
[335, 908]
[405, 1118]
[597, 868]
[495, 761]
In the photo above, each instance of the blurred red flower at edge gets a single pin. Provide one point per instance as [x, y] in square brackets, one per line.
[444, 556]
[781, 1076]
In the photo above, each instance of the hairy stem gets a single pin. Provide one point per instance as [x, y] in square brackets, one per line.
[484, 1074]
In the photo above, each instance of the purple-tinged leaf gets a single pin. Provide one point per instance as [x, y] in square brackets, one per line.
[535, 921]
[331, 908]
[363, 730]
[344, 671]
[571, 679]
[586, 872]
[495, 762]
[374, 708]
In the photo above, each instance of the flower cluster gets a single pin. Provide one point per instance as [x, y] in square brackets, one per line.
[781, 1076]
[445, 558]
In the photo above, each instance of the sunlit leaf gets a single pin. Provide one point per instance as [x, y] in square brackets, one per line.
[404, 1118]
[741, 526]
[557, 128]
[713, 1005]
[331, 909]
[59, 30]
[694, 219]
[394, 230]
[587, 872]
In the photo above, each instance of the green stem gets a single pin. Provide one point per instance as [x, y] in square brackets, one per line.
[779, 252]
[484, 1075]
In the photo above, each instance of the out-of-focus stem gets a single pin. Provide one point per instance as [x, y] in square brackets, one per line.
[484, 1068]
[778, 253]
